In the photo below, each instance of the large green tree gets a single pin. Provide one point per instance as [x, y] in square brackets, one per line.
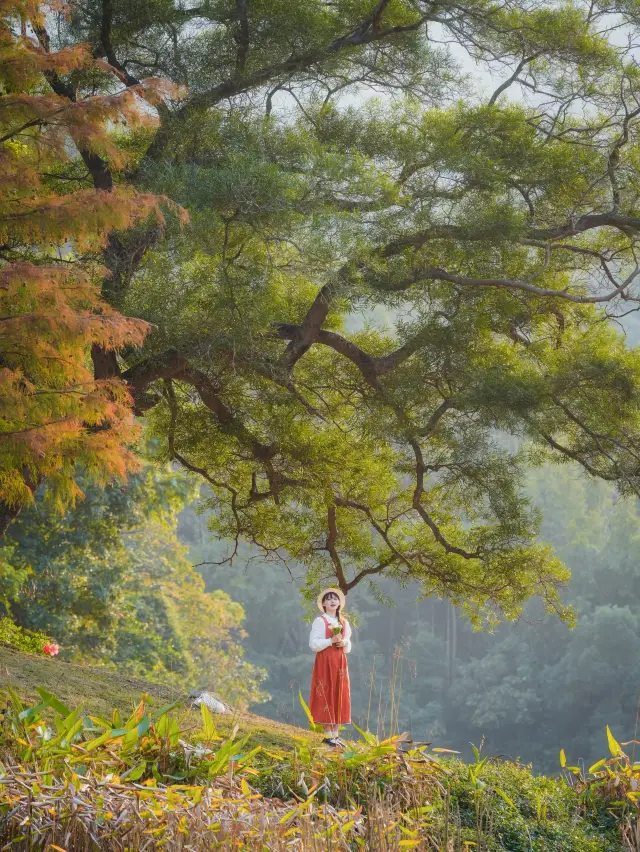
[497, 237]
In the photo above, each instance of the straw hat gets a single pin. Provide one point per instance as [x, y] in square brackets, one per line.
[338, 592]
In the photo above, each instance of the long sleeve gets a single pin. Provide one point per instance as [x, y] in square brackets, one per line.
[317, 641]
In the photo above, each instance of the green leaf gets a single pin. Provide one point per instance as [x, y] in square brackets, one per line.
[614, 745]
[161, 726]
[54, 702]
[248, 757]
[143, 726]
[505, 798]
[166, 709]
[113, 734]
[207, 722]
[313, 726]
[130, 738]
[563, 758]
[135, 717]
[30, 712]
[367, 736]
[15, 699]
[135, 772]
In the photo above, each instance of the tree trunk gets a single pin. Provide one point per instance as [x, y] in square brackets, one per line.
[8, 514]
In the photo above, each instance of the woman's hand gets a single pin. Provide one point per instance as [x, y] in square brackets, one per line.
[337, 640]
[342, 644]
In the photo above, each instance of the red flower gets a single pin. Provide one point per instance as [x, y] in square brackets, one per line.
[51, 648]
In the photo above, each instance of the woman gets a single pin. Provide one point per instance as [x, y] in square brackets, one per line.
[330, 701]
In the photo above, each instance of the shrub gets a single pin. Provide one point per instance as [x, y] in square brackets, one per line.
[31, 641]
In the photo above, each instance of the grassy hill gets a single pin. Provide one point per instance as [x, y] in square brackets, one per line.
[101, 690]
[415, 800]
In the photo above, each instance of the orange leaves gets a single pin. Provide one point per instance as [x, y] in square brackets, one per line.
[22, 59]
[81, 219]
[54, 416]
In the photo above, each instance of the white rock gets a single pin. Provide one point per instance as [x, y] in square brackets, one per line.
[214, 704]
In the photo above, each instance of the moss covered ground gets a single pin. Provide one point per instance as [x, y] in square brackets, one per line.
[101, 690]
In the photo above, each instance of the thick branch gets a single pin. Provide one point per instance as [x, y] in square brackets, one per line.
[367, 32]
[365, 363]
[438, 414]
[307, 333]
[574, 455]
[370, 366]
[588, 222]
[331, 547]
[360, 507]
[172, 365]
[434, 273]
[106, 24]
[417, 505]
[367, 572]
[510, 80]
[626, 224]
[242, 37]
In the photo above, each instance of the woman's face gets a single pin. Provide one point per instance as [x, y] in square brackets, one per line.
[331, 602]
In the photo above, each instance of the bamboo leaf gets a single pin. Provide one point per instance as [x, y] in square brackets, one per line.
[505, 798]
[614, 745]
[54, 702]
[207, 722]
[367, 736]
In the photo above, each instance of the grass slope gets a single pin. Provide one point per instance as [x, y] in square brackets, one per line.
[101, 690]
[486, 807]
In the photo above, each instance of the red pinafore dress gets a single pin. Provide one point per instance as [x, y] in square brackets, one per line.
[330, 700]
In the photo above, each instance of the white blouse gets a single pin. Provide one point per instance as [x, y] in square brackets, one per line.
[317, 642]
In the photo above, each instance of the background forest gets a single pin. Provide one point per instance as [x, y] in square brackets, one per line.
[529, 688]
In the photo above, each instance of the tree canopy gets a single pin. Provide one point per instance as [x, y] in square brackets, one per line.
[390, 265]
[55, 415]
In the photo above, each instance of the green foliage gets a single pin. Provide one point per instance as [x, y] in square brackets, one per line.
[313, 726]
[610, 789]
[17, 637]
[488, 230]
[146, 745]
[100, 690]
[408, 796]
[111, 583]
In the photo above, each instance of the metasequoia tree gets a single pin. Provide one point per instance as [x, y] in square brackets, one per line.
[54, 414]
[374, 293]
